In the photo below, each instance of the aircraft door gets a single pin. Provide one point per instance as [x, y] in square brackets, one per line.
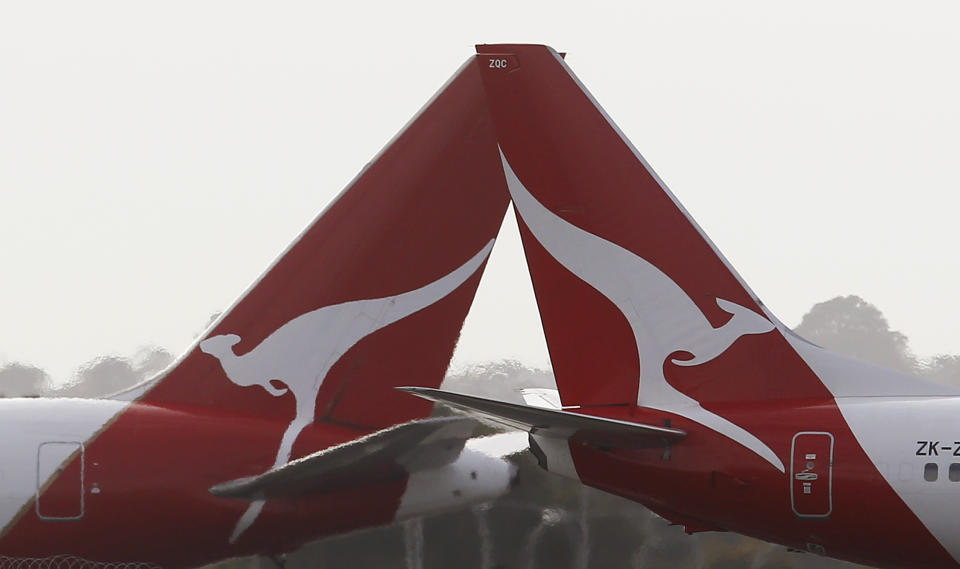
[811, 474]
[60, 472]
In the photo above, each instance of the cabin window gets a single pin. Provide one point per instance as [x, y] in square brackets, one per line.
[931, 471]
[955, 472]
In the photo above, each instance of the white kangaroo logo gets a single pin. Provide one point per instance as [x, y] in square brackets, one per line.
[301, 352]
[664, 319]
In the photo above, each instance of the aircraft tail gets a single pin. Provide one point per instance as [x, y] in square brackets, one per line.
[372, 294]
[638, 305]
[634, 298]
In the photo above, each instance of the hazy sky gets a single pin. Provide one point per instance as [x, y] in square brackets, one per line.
[817, 143]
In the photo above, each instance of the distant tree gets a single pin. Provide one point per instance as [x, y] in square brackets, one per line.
[22, 380]
[149, 361]
[107, 375]
[501, 379]
[101, 377]
[852, 326]
[213, 318]
[943, 369]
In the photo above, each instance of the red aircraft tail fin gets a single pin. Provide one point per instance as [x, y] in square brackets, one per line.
[637, 304]
[373, 293]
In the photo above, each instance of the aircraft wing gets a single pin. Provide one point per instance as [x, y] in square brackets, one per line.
[555, 422]
[380, 456]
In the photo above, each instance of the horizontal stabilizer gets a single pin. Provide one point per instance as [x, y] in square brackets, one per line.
[383, 455]
[555, 422]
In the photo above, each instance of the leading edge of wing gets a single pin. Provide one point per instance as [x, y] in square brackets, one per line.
[555, 422]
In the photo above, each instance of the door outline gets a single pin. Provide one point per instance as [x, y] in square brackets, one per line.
[793, 506]
[42, 485]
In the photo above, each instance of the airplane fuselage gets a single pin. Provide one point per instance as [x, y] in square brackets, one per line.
[130, 492]
[109, 481]
[838, 490]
